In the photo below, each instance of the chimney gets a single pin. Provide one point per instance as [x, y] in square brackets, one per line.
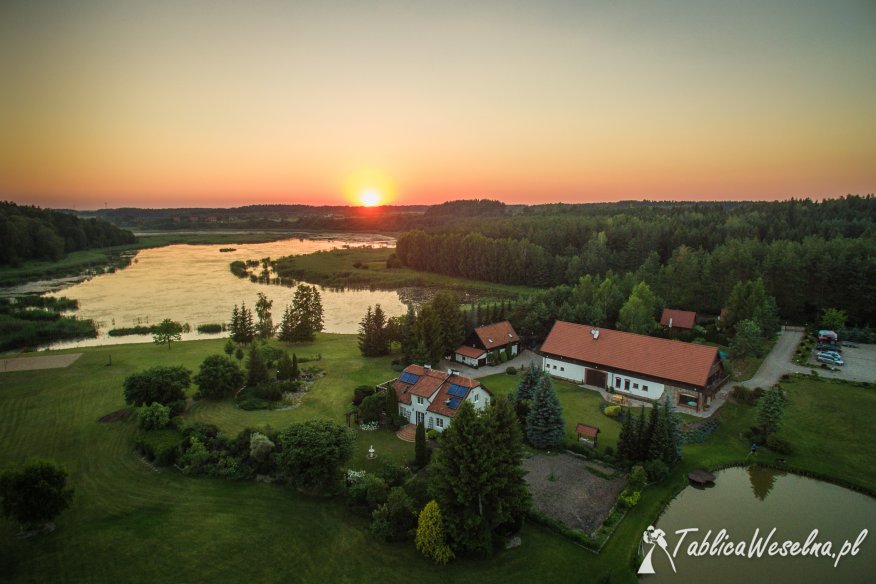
[670, 322]
[426, 366]
[595, 333]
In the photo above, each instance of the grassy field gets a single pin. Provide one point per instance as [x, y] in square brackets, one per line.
[336, 269]
[132, 523]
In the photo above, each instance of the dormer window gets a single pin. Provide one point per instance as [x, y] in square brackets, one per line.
[419, 400]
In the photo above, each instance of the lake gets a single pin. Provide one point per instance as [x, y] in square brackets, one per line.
[743, 500]
[193, 284]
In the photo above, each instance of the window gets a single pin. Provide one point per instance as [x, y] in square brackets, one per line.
[644, 388]
[555, 366]
[419, 400]
[627, 384]
[635, 386]
[439, 422]
[477, 396]
[617, 382]
[431, 421]
[562, 368]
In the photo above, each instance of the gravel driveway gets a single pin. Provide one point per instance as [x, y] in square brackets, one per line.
[778, 362]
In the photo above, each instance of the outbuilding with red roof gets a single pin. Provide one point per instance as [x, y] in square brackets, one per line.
[636, 365]
[490, 339]
[683, 320]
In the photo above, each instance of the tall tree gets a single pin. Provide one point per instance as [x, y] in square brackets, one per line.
[166, 332]
[256, 367]
[627, 442]
[512, 499]
[833, 319]
[431, 538]
[312, 453]
[421, 450]
[306, 315]
[545, 427]
[218, 376]
[771, 410]
[409, 339]
[265, 327]
[748, 341]
[527, 385]
[638, 315]
[284, 367]
[35, 493]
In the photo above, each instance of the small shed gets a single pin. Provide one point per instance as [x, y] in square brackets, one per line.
[587, 433]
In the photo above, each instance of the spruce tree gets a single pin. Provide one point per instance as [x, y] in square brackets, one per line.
[408, 339]
[641, 436]
[659, 443]
[234, 325]
[511, 499]
[672, 454]
[379, 333]
[771, 410]
[286, 332]
[650, 431]
[284, 367]
[421, 450]
[461, 473]
[527, 385]
[545, 427]
[627, 444]
[247, 325]
[391, 406]
[296, 372]
[257, 369]
[366, 334]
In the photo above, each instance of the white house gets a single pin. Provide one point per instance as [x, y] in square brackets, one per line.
[485, 340]
[636, 365]
[432, 397]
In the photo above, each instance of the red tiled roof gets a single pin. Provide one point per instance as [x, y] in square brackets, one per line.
[430, 381]
[439, 405]
[671, 360]
[586, 430]
[681, 319]
[471, 352]
[497, 334]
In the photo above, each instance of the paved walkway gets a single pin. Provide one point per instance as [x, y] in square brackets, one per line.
[521, 360]
[33, 363]
[778, 362]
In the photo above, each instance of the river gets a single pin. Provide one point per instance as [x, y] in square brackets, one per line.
[193, 284]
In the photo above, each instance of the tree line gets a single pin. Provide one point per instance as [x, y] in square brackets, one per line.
[809, 255]
[31, 233]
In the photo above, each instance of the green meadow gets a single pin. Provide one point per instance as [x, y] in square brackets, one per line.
[130, 522]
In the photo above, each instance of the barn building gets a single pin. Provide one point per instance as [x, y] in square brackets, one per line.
[683, 320]
[634, 365]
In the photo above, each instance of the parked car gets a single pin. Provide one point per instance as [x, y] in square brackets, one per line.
[833, 354]
[829, 359]
[850, 345]
[829, 347]
[827, 335]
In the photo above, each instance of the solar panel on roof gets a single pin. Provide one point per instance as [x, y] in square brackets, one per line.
[457, 390]
[408, 377]
[454, 403]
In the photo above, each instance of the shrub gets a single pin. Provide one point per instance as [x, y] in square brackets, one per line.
[612, 411]
[395, 519]
[638, 478]
[159, 446]
[313, 452]
[779, 445]
[432, 434]
[361, 392]
[219, 376]
[742, 395]
[367, 491]
[656, 470]
[628, 498]
[209, 328]
[268, 391]
[511, 370]
[260, 447]
[153, 417]
[34, 493]
[158, 384]
[371, 408]
[394, 474]
[250, 403]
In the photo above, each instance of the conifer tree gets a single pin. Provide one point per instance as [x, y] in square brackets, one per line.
[257, 369]
[284, 367]
[641, 436]
[527, 385]
[673, 432]
[421, 450]
[658, 444]
[296, 372]
[247, 325]
[379, 333]
[431, 538]
[771, 410]
[408, 339]
[627, 443]
[391, 406]
[512, 493]
[234, 326]
[545, 427]
[286, 332]
[366, 334]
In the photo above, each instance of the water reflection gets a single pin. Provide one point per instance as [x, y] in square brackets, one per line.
[763, 480]
[193, 284]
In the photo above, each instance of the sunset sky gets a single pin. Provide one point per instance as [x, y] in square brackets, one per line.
[168, 103]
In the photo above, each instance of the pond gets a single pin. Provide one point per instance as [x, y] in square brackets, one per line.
[193, 284]
[746, 499]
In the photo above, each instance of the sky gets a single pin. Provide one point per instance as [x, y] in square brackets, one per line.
[171, 103]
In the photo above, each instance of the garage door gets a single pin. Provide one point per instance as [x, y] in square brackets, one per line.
[595, 377]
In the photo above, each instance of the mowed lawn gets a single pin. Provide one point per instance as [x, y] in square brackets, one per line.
[131, 523]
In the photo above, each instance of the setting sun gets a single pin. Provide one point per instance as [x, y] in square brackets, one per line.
[369, 198]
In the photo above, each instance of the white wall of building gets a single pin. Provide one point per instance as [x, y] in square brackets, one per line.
[620, 382]
[467, 360]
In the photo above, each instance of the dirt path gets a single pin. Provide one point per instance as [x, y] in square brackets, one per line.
[778, 362]
[33, 363]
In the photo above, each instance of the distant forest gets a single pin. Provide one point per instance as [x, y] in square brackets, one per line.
[31, 233]
[810, 255]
